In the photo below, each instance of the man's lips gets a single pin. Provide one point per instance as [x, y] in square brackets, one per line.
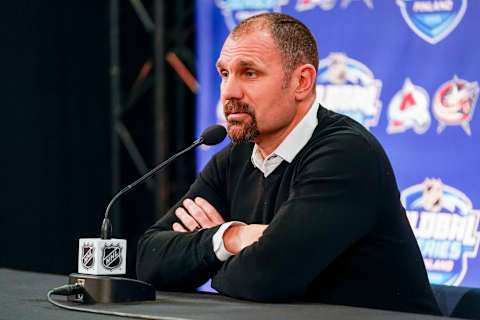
[237, 116]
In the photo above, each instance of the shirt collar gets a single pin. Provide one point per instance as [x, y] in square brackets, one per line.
[293, 143]
[299, 136]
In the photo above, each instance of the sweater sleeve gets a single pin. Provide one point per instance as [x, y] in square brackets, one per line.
[329, 208]
[183, 261]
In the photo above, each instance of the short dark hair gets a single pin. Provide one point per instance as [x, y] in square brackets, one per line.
[296, 43]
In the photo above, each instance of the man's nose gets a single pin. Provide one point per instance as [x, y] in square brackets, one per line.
[231, 89]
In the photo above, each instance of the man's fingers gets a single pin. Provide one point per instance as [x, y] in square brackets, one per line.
[197, 213]
[178, 227]
[190, 223]
[210, 210]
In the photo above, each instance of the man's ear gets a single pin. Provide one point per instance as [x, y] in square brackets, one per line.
[306, 81]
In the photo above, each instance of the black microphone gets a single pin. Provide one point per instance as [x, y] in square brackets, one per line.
[211, 136]
[101, 261]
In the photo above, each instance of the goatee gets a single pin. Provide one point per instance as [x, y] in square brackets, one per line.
[241, 131]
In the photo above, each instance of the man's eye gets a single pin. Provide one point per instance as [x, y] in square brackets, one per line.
[223, 74]
[250, 73]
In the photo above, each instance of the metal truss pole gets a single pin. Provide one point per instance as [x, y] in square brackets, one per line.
[161, 130]
[116, 106]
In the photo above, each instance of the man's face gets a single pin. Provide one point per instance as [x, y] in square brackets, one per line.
[257, 103]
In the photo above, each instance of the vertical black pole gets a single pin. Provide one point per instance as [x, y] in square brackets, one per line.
[116, 107]
[161, 137]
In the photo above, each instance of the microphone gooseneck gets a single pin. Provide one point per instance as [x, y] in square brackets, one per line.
[210, 136]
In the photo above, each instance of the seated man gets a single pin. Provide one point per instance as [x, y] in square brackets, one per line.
[303, 205]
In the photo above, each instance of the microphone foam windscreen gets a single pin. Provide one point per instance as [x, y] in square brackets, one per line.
[213, 135]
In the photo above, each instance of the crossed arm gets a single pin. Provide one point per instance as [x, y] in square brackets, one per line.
[200, 214]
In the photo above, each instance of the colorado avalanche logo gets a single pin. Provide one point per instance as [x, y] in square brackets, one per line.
[409, 109]
[432, 20]
[454, 104]
[88, 255]
[112, 256]
[347, 86]
[446, 227]
[235, 11]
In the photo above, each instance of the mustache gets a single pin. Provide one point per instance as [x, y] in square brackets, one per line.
[234, 106]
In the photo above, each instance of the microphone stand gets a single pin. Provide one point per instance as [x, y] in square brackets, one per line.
[110, 289]
[107, 289]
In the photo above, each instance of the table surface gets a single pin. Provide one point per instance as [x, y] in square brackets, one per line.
[23, 296]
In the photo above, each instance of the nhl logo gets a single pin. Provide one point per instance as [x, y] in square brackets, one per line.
[112, 256]
[432, 20]
[88, 255]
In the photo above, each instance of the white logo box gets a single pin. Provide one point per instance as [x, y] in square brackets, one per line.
[102, 257]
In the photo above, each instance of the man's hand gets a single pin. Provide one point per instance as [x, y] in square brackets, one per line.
[238, 237]
[196, 214]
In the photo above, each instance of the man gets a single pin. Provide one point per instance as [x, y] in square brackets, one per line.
[310, 199]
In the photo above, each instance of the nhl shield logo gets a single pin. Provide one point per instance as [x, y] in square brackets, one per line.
[454, 103]
[112, 256]
[432, 20]
[235, 11]
[88, 255]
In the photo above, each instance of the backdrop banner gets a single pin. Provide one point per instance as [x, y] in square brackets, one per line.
[408, 70]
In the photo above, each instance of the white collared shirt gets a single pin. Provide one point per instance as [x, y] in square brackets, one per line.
[290, 146]
[287, 150]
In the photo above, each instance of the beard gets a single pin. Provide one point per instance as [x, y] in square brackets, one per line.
[241, 131]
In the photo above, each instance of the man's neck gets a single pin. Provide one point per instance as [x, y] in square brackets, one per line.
[268, 143]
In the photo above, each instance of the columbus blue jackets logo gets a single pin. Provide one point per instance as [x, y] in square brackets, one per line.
[432, 20]
[408, 109]
[446, 227]
[304, 5]
[347, 86]
[112, 256]
[454, 103]
[235, 11]
[88, 255]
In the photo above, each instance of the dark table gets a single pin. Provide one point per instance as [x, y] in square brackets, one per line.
[23, 296]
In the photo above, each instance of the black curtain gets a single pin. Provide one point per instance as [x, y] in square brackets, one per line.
[55, 126]
[55, 130]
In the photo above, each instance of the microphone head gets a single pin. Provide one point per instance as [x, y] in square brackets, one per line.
[213, 135]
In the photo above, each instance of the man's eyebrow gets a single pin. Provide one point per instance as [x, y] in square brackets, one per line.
[246, 63]
[241, 63]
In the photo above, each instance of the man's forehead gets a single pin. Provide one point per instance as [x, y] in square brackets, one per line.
[250, 48]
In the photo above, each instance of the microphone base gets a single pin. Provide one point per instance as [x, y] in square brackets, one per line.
[106, 289]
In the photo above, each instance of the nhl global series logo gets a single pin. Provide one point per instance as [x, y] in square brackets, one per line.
[235, 11]
[88, 255]
[446, 227]
[112, 256]
[432, 20]
[347, 86]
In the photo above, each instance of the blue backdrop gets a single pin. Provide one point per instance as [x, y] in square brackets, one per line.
[408, 70]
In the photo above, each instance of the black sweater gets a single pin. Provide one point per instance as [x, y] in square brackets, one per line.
[337, 230]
